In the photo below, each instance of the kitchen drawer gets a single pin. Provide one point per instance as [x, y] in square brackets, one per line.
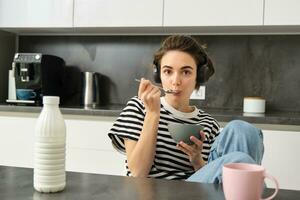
[89, 134]
[95, 161]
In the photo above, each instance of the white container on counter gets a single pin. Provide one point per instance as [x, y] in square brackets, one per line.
[50, 148]
[254, 105]
[12, 83]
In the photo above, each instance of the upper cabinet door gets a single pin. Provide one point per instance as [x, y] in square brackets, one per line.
[118, 13]
[213, 12]
[36, 13]
[13, 13]
[279, 12]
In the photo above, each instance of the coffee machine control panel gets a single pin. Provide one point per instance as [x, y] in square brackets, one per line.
[28, 57]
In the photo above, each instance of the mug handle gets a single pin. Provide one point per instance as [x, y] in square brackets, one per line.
[266, 175]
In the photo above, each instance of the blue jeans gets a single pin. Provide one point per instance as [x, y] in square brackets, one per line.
[238, 142]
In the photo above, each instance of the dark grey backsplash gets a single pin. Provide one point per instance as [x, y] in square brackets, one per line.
[266, 66]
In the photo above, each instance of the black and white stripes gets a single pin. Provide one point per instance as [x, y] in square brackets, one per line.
[169, 162]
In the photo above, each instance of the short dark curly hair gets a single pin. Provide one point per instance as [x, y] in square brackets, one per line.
[188, 45]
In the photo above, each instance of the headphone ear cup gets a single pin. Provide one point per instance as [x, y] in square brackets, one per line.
[203, 74]
[156, 74]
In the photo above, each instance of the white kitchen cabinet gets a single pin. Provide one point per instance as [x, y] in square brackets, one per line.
[88, 149]
[281, 158]
[278, 12]
[118, 13]
[36, 13]
[213, 13]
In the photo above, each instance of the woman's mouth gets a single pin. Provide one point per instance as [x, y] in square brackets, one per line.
[176, 92]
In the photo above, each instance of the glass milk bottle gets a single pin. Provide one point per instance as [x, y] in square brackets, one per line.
[50, 148]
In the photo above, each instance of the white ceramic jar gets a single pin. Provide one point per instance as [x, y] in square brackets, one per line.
[254, 105]
[50, 148]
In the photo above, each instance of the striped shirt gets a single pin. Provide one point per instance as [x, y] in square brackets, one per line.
[169, 161]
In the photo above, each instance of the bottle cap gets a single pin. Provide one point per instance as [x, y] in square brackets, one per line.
[51, 100]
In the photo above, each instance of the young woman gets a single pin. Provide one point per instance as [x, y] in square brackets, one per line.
[141, 130]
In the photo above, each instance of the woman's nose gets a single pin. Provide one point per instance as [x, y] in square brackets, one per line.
[176, 79]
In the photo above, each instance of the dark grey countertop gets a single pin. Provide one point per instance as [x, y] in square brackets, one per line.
[17, 183]
[222, 115]
[112, 110]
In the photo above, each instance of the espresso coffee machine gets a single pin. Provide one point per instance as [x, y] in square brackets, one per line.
[40, 74]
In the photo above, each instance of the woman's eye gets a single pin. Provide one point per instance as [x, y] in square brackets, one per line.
[167, 71]
[187, 72]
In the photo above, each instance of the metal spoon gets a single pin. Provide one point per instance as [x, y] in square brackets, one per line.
[169, 91]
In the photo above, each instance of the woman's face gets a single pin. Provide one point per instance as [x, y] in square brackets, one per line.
[178, 72]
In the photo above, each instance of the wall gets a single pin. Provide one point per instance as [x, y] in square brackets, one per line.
[245, 65]
[7, 50]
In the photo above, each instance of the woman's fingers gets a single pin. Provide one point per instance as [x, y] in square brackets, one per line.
[149, 94]
[193, 151]
[142, 87]
[183, 149]
[202, 134]
[186, 146]
[196, 141]
[156, 92]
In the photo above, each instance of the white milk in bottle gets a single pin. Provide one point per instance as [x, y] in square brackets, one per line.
[50, 148]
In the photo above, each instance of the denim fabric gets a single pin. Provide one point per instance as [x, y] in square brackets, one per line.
[238, 142]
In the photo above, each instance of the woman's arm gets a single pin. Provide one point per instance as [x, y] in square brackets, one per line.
[140, 154]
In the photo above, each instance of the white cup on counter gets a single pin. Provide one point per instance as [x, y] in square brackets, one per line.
[254, 105]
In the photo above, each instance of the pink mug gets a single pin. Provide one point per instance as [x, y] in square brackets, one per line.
[245, 181]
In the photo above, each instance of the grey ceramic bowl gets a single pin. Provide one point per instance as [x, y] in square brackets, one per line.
[183, 132]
